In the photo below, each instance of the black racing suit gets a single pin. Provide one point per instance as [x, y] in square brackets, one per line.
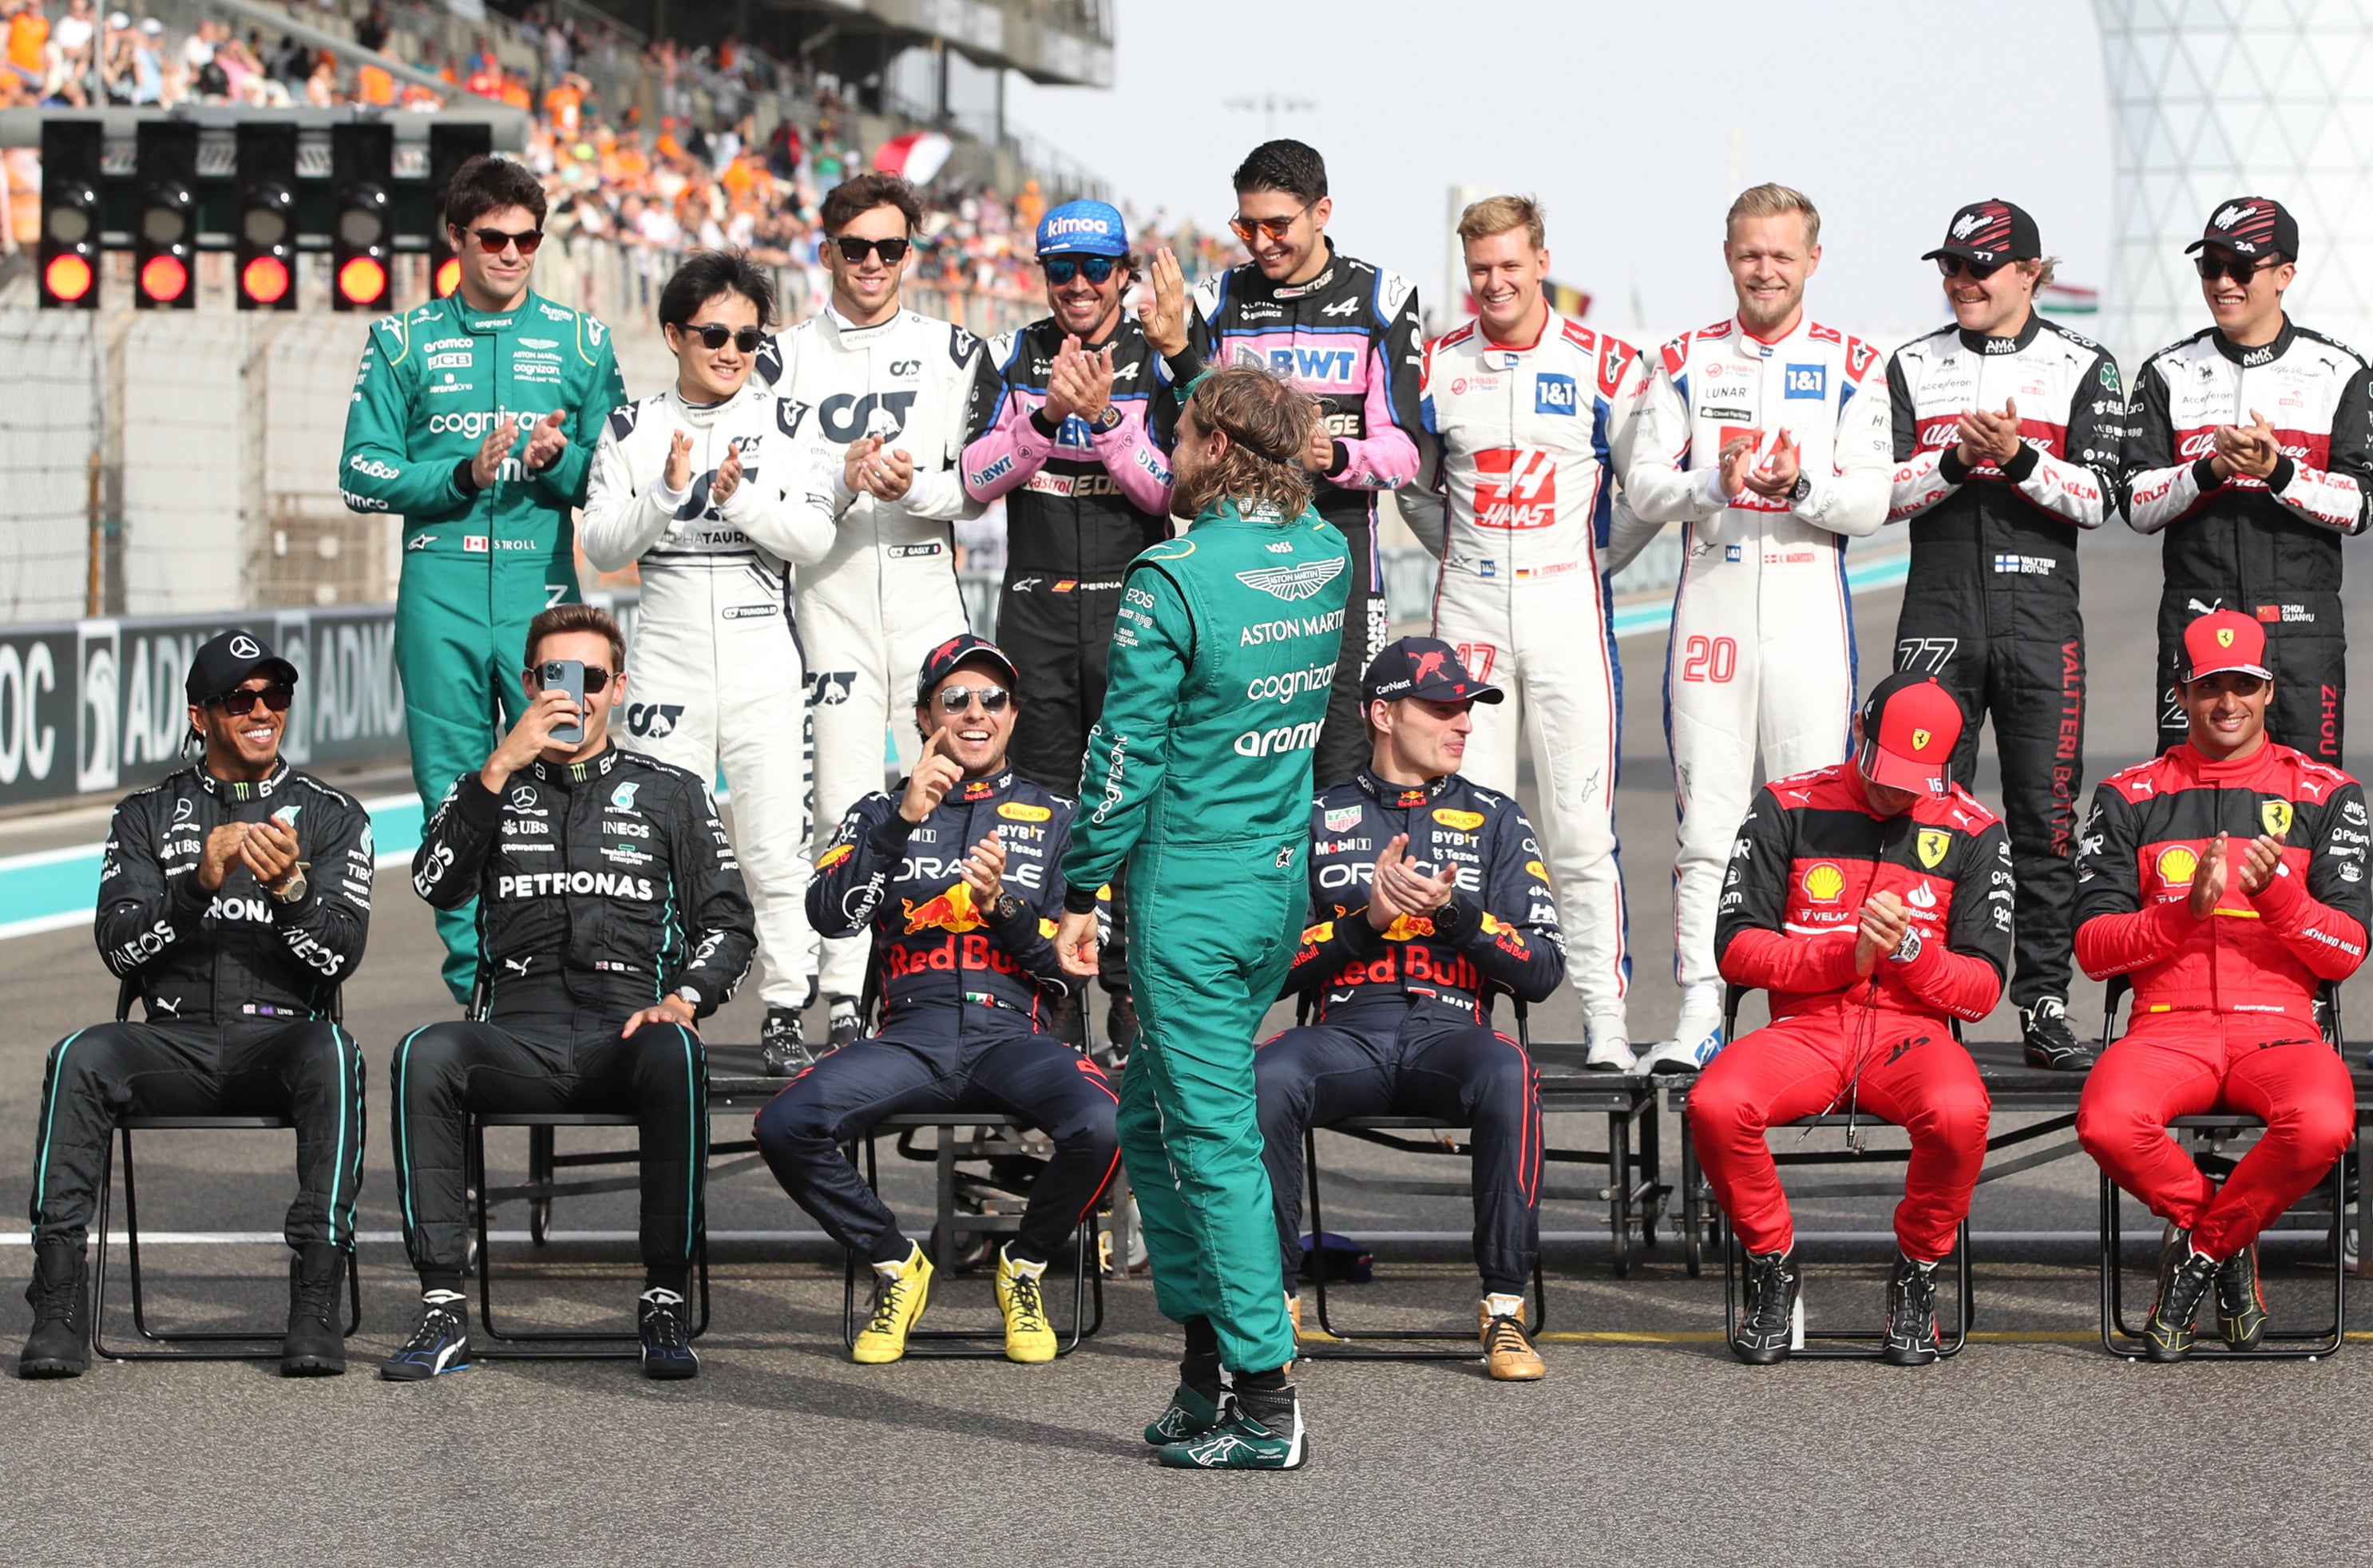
[1081, 501]
[602, 886]
[1348, 337]
[240, 990]
[2266, 547]
[1399, 1026]
[1991, 607]
[964, 994]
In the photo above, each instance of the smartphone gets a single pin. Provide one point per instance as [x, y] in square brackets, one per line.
[567, 675]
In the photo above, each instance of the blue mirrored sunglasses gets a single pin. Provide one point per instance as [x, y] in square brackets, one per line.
[1062, 269]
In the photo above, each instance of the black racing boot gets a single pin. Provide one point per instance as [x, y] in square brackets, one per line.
[844, 1023]
[665, 1324]
[2051, 1043]
[782, 1044]
[1770, 1322]
[315, 1347]
[440, 1345]
[1201, 1401]
[2241, 1300]
[1263, 1432]
[59, 1345]
[2169, 1334]
[1120, 1024]
[1911, 1314]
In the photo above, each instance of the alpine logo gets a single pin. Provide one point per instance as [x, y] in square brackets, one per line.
[1515, 488]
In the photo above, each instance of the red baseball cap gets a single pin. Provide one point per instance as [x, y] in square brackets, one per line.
[1910, 726]
[2222, 640]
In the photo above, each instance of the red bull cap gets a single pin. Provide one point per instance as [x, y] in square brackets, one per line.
[958, 651]
[1426, 667]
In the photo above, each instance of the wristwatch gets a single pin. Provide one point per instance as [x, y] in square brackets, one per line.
[690, 997]
[1803, 492]
[1108, 420]
[292, 890]
[1906, 950]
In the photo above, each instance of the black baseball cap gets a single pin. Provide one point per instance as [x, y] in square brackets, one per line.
[1989, 233]
[963, 648]
[1426, 667]
[229, 661]
[2251, 225]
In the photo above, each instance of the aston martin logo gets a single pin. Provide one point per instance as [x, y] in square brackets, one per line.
[1294, 582]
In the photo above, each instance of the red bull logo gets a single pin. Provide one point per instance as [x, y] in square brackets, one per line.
[949, 911]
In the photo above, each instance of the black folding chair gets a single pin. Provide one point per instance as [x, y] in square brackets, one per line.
[953, 1189]
[2121, 1337]
[250, 1338]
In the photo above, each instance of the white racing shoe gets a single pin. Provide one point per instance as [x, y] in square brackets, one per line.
[1610, 1045]
[1697, 1040]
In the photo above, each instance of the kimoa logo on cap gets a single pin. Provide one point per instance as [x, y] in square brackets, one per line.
[245, 648]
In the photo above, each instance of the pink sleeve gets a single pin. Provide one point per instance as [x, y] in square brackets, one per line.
[1386, 458]
[1007, 453]
[1135, 464]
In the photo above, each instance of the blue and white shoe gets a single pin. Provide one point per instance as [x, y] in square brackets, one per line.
[440, 1344]
[666, 1328]
[1610, 1045]
[1695, 1041]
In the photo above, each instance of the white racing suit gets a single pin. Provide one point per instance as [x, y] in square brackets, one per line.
[886, 594]
[719, 678]
[1762, 645]
[1522, 450]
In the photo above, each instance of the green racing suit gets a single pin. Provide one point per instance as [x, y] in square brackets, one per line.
[1197, 775]
[477, 565]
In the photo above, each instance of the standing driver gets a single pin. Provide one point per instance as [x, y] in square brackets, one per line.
[234, 901]
[1872, 900]
[1427, 895]
[2227, 876]
[958, 875]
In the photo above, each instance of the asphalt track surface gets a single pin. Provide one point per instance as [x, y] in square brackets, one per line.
[1646, 1442]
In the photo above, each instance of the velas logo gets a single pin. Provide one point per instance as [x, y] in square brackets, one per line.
[244, 647]
[1515, 488]
[2177, 865]
[949, 911]
[1824, 881]
[1920, 738]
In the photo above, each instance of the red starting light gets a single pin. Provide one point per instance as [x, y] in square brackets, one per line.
[264, 279]
[69, 277]
[449, 278]
[163, 278]
[362, 280]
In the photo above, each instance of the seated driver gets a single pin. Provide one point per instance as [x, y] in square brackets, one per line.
[957, 874]
[2228, 878]
[1872, 900]
[1427, 895]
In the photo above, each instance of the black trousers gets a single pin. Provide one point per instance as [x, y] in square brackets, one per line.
[1397, 1055]
[563, 1057]
[2309, 708]
[306, 1069]
[1343, 744]
[912, 1068]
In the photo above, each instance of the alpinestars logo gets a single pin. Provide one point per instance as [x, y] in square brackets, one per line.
[1515, 488]
[1294, 582]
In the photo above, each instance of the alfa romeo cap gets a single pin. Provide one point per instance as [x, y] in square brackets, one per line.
[1423, 666]
[228, 660]
[2249, 226]
[1989, 233]
[2222, 640]
[963, 648]
[1910, 726]
[1083, 228]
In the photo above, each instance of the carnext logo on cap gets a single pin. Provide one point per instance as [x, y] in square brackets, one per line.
[1553, 394]
[1808, 380]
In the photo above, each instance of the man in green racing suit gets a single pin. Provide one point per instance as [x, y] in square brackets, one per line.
[1198, 775]
[474, 418]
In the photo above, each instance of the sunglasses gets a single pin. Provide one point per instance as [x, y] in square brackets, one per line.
[494, 241]
[955, 699]
[1062, 269]
[853, 249]
[596, 678]
[1954, 266]
[241, 703]
[1275, 227]
[712, 335]
[2238, 268]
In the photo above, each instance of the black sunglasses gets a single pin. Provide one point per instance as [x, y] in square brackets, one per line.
[713, 335]
[2238, 268]
[955, 699]
[1954, 266]
[1062, 269]
[596, 678]
[493, 242]
[239, 703]
[853, 249]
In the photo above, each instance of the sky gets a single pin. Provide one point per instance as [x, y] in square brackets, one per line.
[1628, 123]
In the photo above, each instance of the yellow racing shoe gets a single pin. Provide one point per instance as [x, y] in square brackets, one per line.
[899, 1291]
[1021, 1297]
[1508, 1354]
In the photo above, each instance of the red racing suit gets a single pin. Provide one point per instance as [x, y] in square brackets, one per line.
[2224, 1008]
[1808, 856]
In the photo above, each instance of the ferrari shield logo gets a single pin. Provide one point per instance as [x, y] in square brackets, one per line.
[2224, 637]
[1920, 738]
[2276, 816]
[1932, 843]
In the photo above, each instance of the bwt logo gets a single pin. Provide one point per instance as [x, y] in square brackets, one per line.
[1333, 365]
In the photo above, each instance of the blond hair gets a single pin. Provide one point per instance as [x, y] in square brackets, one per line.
[1497, 214]
[1268, 427]
[1768, 199]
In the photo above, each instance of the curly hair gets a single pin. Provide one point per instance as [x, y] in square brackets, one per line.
[1268, 427]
